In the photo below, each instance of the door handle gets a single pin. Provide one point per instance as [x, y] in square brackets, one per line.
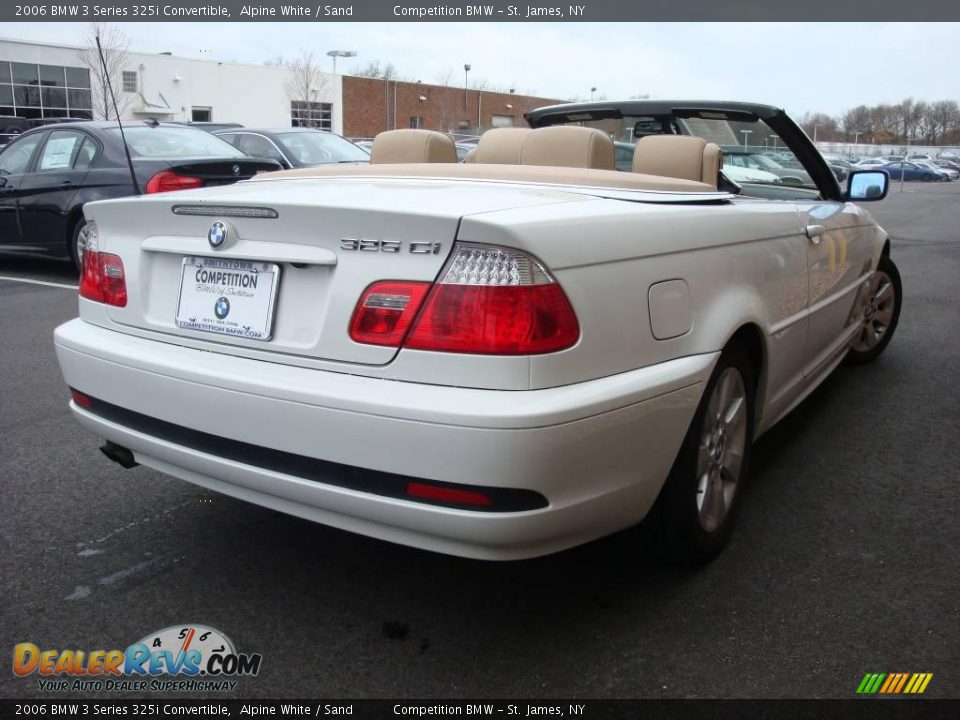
[66, 183]
[814, 232]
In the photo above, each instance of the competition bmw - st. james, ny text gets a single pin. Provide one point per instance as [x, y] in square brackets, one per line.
[491, 10]
[305, 11]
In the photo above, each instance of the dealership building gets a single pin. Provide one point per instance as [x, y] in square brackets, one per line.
[45, 80]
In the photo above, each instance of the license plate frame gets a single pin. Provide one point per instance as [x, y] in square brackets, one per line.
[230, 280]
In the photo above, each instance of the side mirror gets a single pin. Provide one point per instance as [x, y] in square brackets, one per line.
[867, 185]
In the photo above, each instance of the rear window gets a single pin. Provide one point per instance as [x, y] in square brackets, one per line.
[316, 148]
[175, 142]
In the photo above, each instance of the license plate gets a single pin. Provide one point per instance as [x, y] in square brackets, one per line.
[230, 297]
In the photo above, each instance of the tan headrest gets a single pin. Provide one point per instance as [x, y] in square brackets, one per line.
[501, 146]
[568, 146]
[412, 146]
[678, 156]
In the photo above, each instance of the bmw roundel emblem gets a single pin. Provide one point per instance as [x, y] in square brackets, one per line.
[217, 235]
[222, 308]
[236, 169]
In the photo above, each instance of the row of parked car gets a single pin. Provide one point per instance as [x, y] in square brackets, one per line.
[918, 166]
[48, 173]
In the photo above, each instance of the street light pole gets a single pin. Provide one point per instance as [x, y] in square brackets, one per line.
[815, 134]
[466, 84]
[340, 53]
[592, 91]
[746, 134]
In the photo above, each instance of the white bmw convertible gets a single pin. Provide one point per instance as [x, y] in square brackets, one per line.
[497, 359]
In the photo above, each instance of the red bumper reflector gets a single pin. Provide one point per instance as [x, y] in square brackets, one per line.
[447, 495]
[80, 399]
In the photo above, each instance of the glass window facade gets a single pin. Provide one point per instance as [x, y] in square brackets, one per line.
[304, 113]
[44, 91]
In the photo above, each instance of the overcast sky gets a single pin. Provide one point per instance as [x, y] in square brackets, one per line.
[827, 67]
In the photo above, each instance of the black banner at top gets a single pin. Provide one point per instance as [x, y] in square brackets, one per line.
[479, 11]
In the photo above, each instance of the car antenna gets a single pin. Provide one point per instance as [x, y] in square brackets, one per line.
[113, 99]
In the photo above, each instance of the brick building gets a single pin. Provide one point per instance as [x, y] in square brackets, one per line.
[371, 105]
[46, 80]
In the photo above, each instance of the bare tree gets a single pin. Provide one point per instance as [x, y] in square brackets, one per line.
[115, 44]
[944, 118]
[305, 83]
[376, 69]
[482, 84]
[857, 123]
[444, 76]
[908, 115]
[913, 121]
[819, 126]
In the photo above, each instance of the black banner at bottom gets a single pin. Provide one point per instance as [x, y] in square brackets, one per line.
[852, 709]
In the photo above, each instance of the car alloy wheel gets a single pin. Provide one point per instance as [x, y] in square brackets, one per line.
[879, 312]
[721, 451]
[694, 514]
[879, 307]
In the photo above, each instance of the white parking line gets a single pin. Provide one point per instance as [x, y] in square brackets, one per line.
[38, 282]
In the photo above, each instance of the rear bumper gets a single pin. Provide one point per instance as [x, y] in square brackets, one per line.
[598, 452]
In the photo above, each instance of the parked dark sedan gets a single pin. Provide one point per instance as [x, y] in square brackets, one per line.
[295, 147]
[11, 126]
[47, 174]
[947, 164]
[910, 171]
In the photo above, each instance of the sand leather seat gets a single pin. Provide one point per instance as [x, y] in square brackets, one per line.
[412, 146]
[568, 146]
[500, 146]
[678, 156]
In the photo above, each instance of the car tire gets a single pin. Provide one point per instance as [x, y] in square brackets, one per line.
[694, 514]
[77, 242]
[881, 313]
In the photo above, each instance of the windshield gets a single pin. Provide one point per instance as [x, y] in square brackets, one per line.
[169, 142]
[316, 148]
[746, 144]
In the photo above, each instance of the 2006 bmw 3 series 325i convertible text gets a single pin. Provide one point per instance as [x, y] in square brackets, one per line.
[499, 358]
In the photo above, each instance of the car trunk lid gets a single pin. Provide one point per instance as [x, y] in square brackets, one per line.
[209, 171]
[313, 246]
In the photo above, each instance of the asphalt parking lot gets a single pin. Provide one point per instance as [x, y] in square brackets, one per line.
[845, 561]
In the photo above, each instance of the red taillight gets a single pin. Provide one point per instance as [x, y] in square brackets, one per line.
[102, 278]
[80, 399]
[490, 300]
[507, 320]
[385, 312]
[90, 275]
[167, 180]
[454, 496]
